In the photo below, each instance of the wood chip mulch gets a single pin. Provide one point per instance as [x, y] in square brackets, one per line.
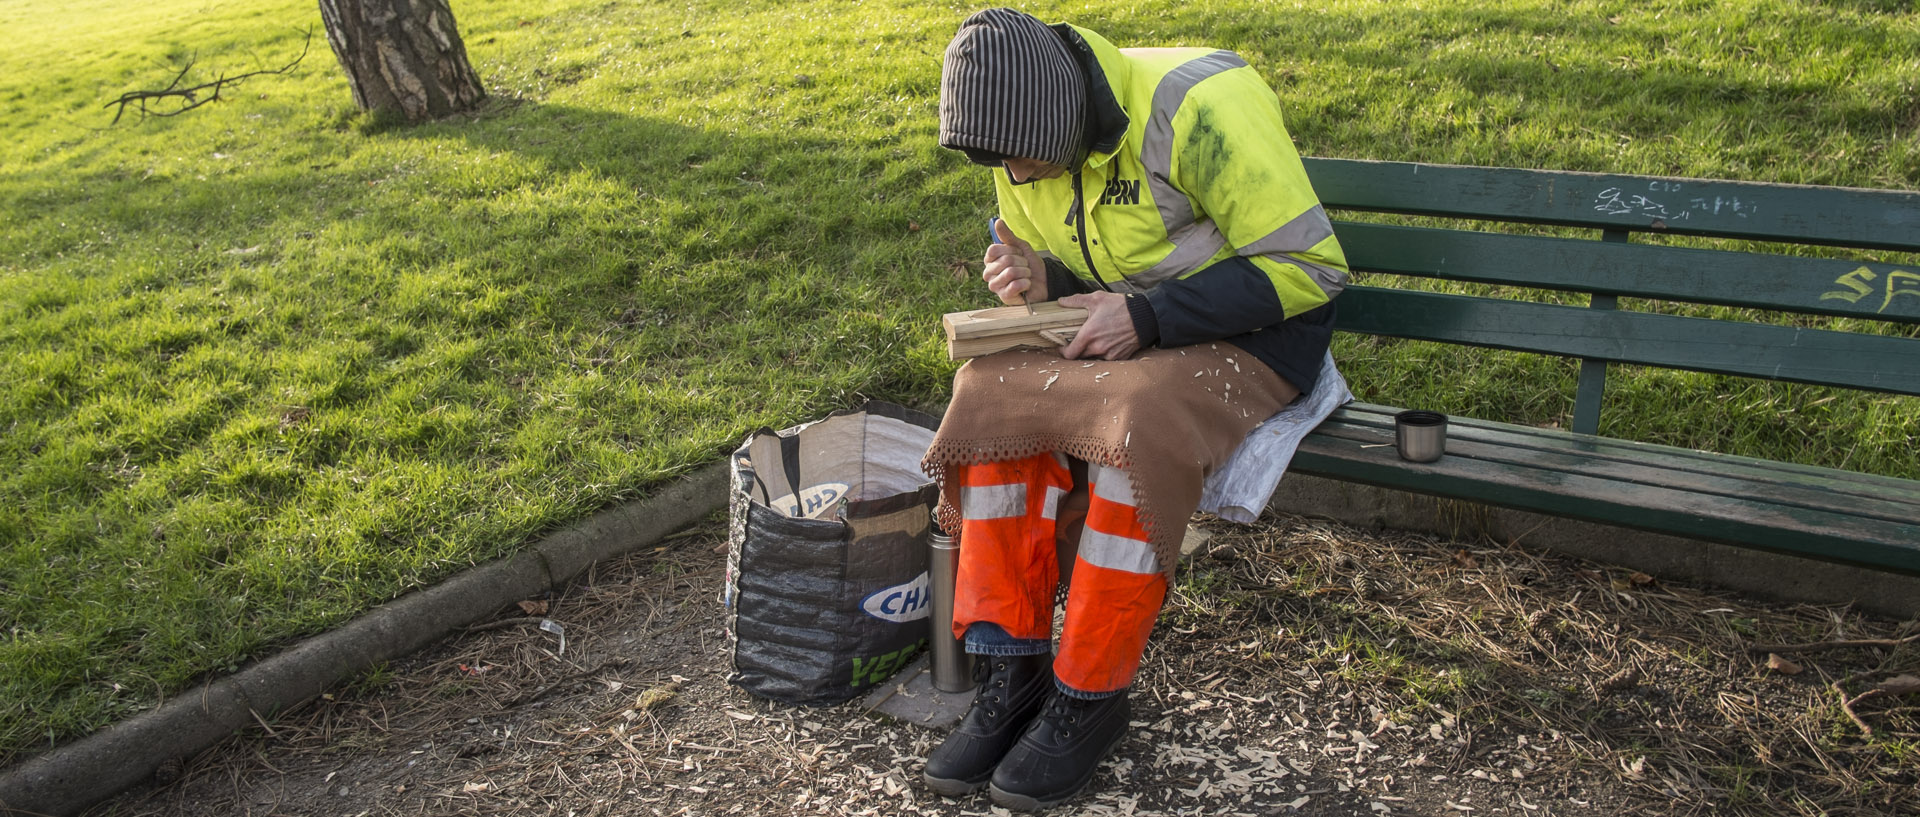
[1300, 667]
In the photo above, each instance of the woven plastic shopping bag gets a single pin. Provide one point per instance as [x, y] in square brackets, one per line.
[826, 584]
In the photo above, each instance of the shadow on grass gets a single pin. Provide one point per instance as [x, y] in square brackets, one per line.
[399, 353]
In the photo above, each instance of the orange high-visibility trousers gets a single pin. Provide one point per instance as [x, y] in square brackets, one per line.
[1009, 568]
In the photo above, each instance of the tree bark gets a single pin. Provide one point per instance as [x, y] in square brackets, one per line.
[403, 56]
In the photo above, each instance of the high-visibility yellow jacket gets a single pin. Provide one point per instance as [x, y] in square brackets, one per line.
[1194, 201]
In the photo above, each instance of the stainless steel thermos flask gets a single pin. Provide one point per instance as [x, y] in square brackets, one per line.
[952, 667]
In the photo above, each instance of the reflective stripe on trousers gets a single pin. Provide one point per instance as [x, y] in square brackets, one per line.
[1009, 569]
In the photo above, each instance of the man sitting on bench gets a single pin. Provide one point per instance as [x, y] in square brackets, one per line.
[1157, 189]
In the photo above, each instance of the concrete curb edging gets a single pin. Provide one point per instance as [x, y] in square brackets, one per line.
[79, 774]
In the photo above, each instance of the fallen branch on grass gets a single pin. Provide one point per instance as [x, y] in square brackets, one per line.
[502, 623]
[1821, 646]
[544, 691]
[192, 96]
[1897, 685]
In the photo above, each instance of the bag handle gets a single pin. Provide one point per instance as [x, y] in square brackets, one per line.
[790, 462]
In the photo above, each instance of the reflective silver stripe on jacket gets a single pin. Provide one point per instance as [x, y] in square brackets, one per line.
[1304, 232]
[1331, 280]
[1193, 243]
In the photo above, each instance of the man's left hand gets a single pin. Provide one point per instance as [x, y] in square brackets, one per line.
[1108, 333]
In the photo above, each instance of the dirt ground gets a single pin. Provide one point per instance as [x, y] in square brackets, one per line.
[1299, 668]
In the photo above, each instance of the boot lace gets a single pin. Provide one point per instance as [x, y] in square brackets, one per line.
[1063, 712]
[992, 678]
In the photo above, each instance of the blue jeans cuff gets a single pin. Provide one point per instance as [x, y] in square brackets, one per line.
[1083, 694]
[988, 638]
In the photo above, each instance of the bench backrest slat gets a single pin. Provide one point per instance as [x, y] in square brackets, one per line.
[1879, 363]
[1853, 217]
[1820, 286]
[1864, 286]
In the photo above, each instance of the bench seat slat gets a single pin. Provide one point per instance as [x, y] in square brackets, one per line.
[1821, 286]
[1852, 483]
[1880, 363]
[1856, 217]
[1745, 522]
[1651, 471]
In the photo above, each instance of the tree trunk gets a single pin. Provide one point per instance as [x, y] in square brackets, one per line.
[403, 56]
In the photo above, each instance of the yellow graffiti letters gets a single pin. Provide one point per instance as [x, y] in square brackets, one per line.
[1856, 281]
[1900, 282]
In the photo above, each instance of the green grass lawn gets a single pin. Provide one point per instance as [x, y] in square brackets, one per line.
[271, 362]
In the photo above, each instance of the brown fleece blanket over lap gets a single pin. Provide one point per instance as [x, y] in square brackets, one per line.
[1168, 417]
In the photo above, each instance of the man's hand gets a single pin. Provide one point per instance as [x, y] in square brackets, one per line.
[1014, 272]
[1108, 333]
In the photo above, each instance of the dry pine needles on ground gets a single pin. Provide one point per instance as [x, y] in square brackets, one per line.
[1300, 668]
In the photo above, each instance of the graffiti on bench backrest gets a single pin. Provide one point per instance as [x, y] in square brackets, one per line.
[1615, 201]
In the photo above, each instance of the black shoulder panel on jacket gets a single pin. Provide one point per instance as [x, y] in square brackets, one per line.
[1106, 120]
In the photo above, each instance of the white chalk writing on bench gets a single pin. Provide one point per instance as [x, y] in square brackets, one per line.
[1615, 201]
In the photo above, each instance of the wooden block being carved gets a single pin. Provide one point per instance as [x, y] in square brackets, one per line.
[981, 332]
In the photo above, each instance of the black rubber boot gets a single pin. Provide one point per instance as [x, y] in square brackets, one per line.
[1057, 756]
[1012, 688]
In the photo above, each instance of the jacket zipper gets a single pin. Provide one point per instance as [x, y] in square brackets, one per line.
[1080, 224]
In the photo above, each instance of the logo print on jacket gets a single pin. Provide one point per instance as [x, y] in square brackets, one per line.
[901, 602]
[1121, 191]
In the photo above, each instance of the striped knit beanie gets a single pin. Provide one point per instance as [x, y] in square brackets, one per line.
[1010, 88]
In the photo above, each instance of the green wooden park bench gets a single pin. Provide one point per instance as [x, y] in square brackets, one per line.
[1815, 512]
